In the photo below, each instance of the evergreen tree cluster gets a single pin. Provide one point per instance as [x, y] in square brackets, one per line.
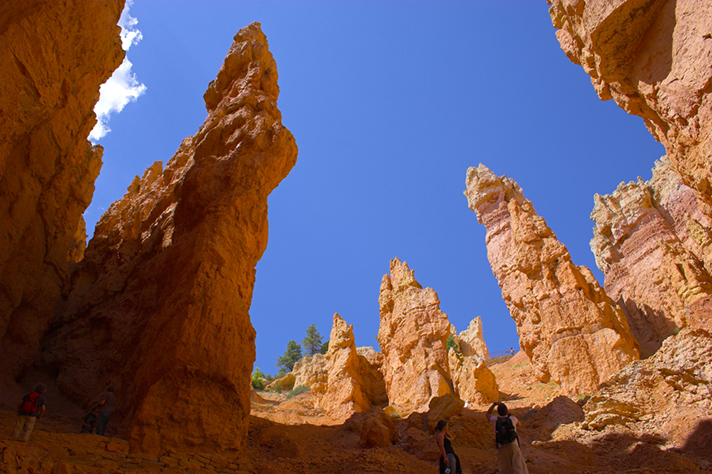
[311, 344]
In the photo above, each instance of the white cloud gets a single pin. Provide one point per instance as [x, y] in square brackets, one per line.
[122, 87]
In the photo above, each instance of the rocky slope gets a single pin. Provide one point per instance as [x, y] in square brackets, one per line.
[574, 334]
[413, 336]
[653, 58]
[159, 305]
[654, 245]
[52, 65]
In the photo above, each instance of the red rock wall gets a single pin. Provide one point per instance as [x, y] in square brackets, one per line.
[572, 332]
[159, 305]
[54, 57]
[654, 245]
[654, 58]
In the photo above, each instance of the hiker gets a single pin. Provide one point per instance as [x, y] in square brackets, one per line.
[505, 427]
[449, 462]
[89, 420]
[107, 405]
[30, 411]
[511, 350]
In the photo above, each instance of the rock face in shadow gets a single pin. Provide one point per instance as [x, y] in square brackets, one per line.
[654, 245]
[413, 338]
[668, 394]
[572, 332]
[52, 65]
[653, 59]
[159, 305]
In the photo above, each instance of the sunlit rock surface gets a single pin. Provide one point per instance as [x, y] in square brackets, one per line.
[471, 341]
[654, 246]
[159, 305]
[654, 59]
[52, 66]
[668, 395]
[572, 332]
[472, 379]
[413, 336]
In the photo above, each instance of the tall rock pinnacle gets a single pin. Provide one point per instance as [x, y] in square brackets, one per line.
[413, 338]
[572, 332]
[159, 305]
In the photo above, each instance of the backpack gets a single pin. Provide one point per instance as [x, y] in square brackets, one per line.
[505, 431]
[29, 406]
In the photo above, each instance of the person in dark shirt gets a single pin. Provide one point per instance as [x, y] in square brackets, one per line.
[89, 420]
[449, 462]
[29, 411]
[107, 405]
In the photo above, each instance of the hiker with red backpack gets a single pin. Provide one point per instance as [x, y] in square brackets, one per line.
[29, 411]
[505, 427]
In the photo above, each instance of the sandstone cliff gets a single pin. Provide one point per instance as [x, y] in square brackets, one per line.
[159, 305]
[653, 58]
[52, 66]
[572, 332]
[472, 379]
[413, 336]
[654, 246]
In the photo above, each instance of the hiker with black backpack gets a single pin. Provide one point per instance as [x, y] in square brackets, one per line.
[29, 411]
[505, 427]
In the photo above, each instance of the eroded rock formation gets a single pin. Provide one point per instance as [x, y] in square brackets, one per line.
[668, 395]
[413, 337]
[471, 341]
[572, 332]
[472, 379]
[52, 66]
[654, 245]
[159, 305]
[653, 58]
[343, 394]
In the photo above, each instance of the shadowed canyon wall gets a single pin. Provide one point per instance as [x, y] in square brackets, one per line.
[572, 332]
[655, 246]
[53, 59]
[653, 58]
[159, 305]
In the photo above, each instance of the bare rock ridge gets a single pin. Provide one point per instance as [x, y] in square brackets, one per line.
[654, 246]
[159, 305]
[653, 58]
[52, 65]
[573, 333]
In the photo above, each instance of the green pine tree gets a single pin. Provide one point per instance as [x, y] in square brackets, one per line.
[290, 357]
[312, 343]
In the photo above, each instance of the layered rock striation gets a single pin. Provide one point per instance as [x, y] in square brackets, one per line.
[159, 305]
[653, 58]
[413, 337]
[573, 333]
[654, 246]
[52, 66]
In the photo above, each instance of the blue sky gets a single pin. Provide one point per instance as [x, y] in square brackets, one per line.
[390, 103]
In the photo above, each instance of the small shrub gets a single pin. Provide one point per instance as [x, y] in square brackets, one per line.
[451, 344]
[258, 381]
[278, 387]
[298, 390]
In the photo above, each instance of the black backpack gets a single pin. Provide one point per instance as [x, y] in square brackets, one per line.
[505, 431]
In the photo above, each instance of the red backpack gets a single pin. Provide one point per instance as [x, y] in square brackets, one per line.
[29, 406]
